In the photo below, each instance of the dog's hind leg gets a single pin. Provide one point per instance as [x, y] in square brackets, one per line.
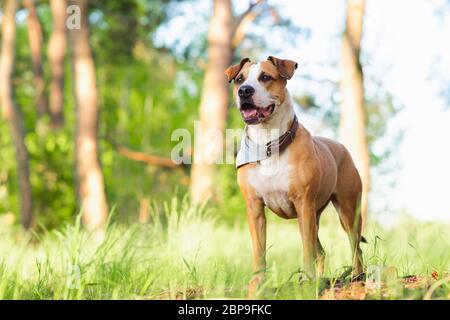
[349, 215]
[347, 199]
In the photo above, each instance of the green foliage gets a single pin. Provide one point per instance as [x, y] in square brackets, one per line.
[52, 176]
[118, 25]
[8, 198]
[144, 94]
[140, 110]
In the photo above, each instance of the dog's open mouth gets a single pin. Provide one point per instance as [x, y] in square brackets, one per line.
[253, 114]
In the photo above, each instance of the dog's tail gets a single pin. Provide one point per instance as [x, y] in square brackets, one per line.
[363, 239]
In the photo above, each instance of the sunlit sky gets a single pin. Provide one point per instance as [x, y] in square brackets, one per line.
[406, 47]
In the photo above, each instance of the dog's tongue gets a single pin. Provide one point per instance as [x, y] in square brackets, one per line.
[266, 111]
[250, 113]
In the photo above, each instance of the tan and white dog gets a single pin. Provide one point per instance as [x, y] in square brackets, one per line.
[299, 180]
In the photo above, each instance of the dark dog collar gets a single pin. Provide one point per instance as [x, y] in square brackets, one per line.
[280, 144]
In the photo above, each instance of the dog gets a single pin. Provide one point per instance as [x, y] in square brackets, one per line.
[295, 175]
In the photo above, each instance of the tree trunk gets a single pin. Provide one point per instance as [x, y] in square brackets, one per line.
[35, 41]
[56, 54]
[12, 113]
[90, 182]
[214, 103]
[352, 120]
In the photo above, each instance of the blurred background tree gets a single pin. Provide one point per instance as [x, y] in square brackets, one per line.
[352, 113]
[12, 113]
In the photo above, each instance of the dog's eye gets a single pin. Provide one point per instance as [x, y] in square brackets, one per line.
[265, 78]
[239, 80]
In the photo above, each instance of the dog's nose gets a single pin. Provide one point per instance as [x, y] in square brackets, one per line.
[246, 91]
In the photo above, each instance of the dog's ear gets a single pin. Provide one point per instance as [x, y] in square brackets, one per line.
[233, 71]
[286, 68]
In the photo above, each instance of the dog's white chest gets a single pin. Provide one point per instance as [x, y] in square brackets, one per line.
[271, 180]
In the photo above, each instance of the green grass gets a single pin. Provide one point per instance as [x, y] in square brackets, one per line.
[186, 253]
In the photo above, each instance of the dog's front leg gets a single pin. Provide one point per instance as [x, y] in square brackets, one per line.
[257, 224]
[306, 215]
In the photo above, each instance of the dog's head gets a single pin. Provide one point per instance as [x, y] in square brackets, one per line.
[260, 88]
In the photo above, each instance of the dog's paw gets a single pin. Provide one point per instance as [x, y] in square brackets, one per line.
[255, 284]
